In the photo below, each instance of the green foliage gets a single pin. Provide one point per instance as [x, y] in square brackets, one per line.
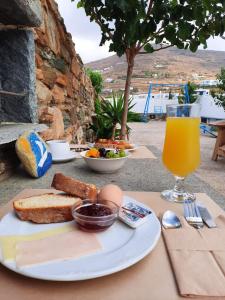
[148, 74]
[96, 79]
[186, 23]
[219, 93]
[109, 115]
[134, 117]
[191, 91]
[102, 126]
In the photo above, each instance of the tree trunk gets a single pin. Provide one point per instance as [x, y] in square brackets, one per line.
[130, 54]
[113, 132]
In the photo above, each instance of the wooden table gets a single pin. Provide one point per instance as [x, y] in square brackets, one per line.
[151, 278]
[219, 149]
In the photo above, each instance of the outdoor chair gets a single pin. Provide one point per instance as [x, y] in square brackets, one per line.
[206, 129]
[158, 109]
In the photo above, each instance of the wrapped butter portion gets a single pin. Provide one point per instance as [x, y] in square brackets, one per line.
[133, 214]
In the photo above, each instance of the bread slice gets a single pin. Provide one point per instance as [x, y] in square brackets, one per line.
[74, 187]
[47, 208]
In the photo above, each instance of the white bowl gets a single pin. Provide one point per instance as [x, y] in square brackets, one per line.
[104, 165]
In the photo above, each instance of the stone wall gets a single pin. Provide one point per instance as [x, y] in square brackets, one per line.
[61, 79]
[17, 76]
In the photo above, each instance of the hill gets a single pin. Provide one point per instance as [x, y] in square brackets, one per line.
[167, 66]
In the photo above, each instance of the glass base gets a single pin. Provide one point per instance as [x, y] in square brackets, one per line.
[175, 196]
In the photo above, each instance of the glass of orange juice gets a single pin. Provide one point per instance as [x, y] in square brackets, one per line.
[181, 151]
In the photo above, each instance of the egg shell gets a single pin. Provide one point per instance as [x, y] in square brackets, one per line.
[112, 193]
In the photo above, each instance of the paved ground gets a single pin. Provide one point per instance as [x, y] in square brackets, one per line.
[211, 172]
[137, 175]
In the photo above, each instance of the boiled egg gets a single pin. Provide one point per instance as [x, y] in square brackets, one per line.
[111, 192]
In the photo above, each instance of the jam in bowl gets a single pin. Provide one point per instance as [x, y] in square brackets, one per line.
[95, 216]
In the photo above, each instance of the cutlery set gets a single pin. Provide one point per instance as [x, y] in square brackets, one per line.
[192, 214]
[195, 213]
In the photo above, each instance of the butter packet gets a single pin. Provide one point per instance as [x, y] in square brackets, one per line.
[133, 214]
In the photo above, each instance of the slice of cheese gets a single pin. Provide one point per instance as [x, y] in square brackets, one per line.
[63, 246]
[8, 243]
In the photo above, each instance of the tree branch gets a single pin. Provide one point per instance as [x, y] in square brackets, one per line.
[150, 7]
[161, 30]
[161, 48]
[100, 24]
[139, 46]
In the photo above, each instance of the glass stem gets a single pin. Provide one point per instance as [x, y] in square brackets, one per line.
[179, 185]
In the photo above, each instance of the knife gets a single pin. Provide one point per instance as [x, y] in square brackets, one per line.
[206, 216]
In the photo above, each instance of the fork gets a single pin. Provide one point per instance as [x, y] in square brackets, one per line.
[192, 214]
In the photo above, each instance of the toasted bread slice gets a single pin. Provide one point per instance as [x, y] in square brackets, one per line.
[74, 187]
[47, 208]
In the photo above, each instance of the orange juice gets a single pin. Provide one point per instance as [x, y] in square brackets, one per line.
[181, 152]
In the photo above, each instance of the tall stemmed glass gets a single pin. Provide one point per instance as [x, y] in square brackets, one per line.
[181, 152]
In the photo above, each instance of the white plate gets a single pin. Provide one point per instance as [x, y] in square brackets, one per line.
[122, 247]
[72, 155]
[104, 165]
[90, 145]
[134, 147]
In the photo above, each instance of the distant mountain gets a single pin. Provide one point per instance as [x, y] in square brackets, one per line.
[167, 66]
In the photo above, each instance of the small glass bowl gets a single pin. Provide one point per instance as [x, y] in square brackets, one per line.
[95, 216]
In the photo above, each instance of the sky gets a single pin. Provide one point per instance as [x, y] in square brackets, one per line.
[86, 35]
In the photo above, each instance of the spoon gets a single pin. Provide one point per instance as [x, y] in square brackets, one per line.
[170, 220]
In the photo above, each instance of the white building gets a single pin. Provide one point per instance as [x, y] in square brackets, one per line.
[108, 80]
[202, 92]
[107, 91]
[209, 82]
[157, 103]
[208, 108]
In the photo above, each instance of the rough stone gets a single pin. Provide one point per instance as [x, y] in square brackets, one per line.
[66, 119]
[43, 93]
[79, 136]
[55, 50]
[69, 88]
[62, 80]
[58, 94]
[75, 67]
[65, 54]
[20, 12]
[50, 76]
[59, 64]
[75, 83]
[70, 133]
[39, 74]
[69, 102]
[38, 60]
[54, 117]
[17, 74]
[50, 29]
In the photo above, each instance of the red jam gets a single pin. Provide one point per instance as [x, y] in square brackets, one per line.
[94, 210]
[86, 220]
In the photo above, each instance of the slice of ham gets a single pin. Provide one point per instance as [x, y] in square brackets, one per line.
[64, 246]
